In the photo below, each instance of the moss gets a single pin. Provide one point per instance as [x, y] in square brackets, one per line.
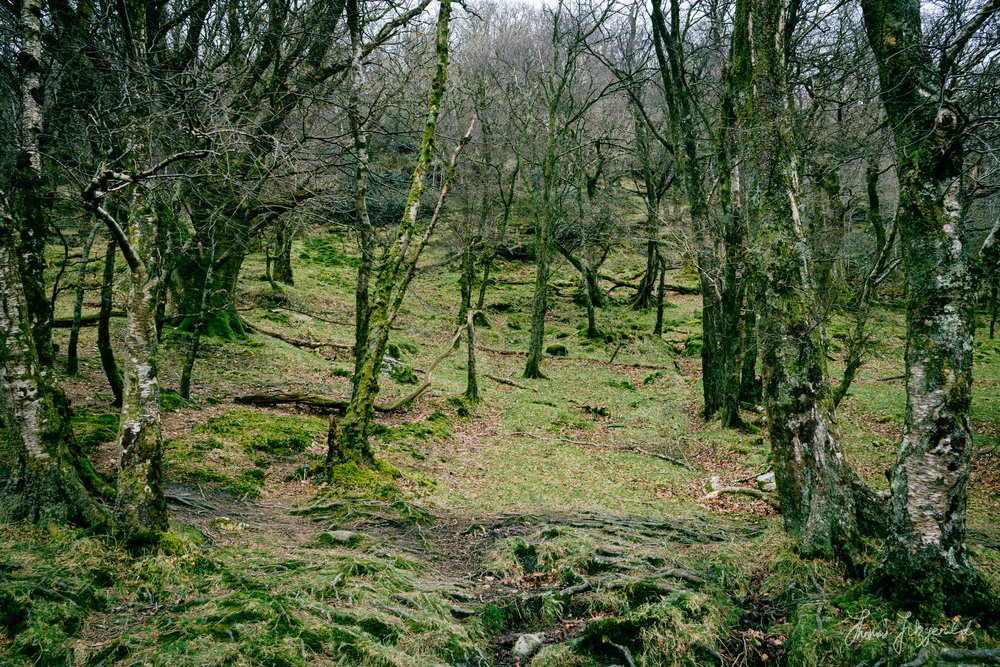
[327, 251]
[351, 479]
[557, 350]
[493, 620]
[621, 384]
[171, 401]
[437, 426]
[94, 428]
[263, 432]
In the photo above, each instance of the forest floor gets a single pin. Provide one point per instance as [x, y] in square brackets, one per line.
[556, 523]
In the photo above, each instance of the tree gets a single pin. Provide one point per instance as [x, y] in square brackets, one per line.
[395, 270]
[47, 482]
[51, 480]
[569, 42]
[813, 478]
[926, 564]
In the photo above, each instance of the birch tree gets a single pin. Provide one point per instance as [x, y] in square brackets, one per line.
[926, 563]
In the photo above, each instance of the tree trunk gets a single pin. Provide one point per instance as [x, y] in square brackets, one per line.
[647, 284]
[926, 564]
[395, 271]
[192, 354]
[29, 204]
[104, 326]
[660, 291]
[812, 475]
[72, 359]
[140, 508]
[222, 320]
[281, 266]
[471, 382]
[46, 482]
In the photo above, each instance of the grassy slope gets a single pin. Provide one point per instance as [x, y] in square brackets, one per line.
[248, 583]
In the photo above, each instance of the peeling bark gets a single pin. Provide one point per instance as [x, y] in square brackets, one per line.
[926, 564]
[47, 481]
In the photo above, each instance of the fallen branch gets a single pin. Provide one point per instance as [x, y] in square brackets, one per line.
[308, 344]
[322, 403]
[422, 387]
[509, 383]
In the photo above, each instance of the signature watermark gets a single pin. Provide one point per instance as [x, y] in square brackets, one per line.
[903, 631]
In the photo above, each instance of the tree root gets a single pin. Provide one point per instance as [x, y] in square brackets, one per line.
[743, 491]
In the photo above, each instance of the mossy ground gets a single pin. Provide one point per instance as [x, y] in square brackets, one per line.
[491, 509]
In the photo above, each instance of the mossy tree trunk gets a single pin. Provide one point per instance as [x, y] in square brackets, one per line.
[813, 478]
[544, 239]
[719, 319]
[365, 231]
[471, 381]
[47, 481]
[395, 271]
[140, 508]
[926, 564]
[281, 264]
[29, 196]
[222, 319]
[104, 348]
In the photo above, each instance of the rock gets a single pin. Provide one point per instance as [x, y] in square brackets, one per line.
[338, 538]
[766, 482]
[526, 645]
[557, 350]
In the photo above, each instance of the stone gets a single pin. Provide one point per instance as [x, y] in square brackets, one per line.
[527, 644]
[766, 482]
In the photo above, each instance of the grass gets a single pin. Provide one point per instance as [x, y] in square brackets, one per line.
[226, 590]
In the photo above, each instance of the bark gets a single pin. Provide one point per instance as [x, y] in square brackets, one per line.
[813, 478]
[192, 354]
[108, 362]
[647, 283]
[46, 484]
[140, 508]
[471, 382]
[926, 564]
[222, 319]
[281, 265]
[547, 217]
[366, 234]
[29, 204]
[72, 359]
[660, 290]
[716, 321]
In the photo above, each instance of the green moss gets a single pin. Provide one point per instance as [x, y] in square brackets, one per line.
[351, 479]
[272, 434]
[327, 251]
[94, 428]
[437, 426]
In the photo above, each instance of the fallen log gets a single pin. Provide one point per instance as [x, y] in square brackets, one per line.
[322, 403]
[85, 320]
